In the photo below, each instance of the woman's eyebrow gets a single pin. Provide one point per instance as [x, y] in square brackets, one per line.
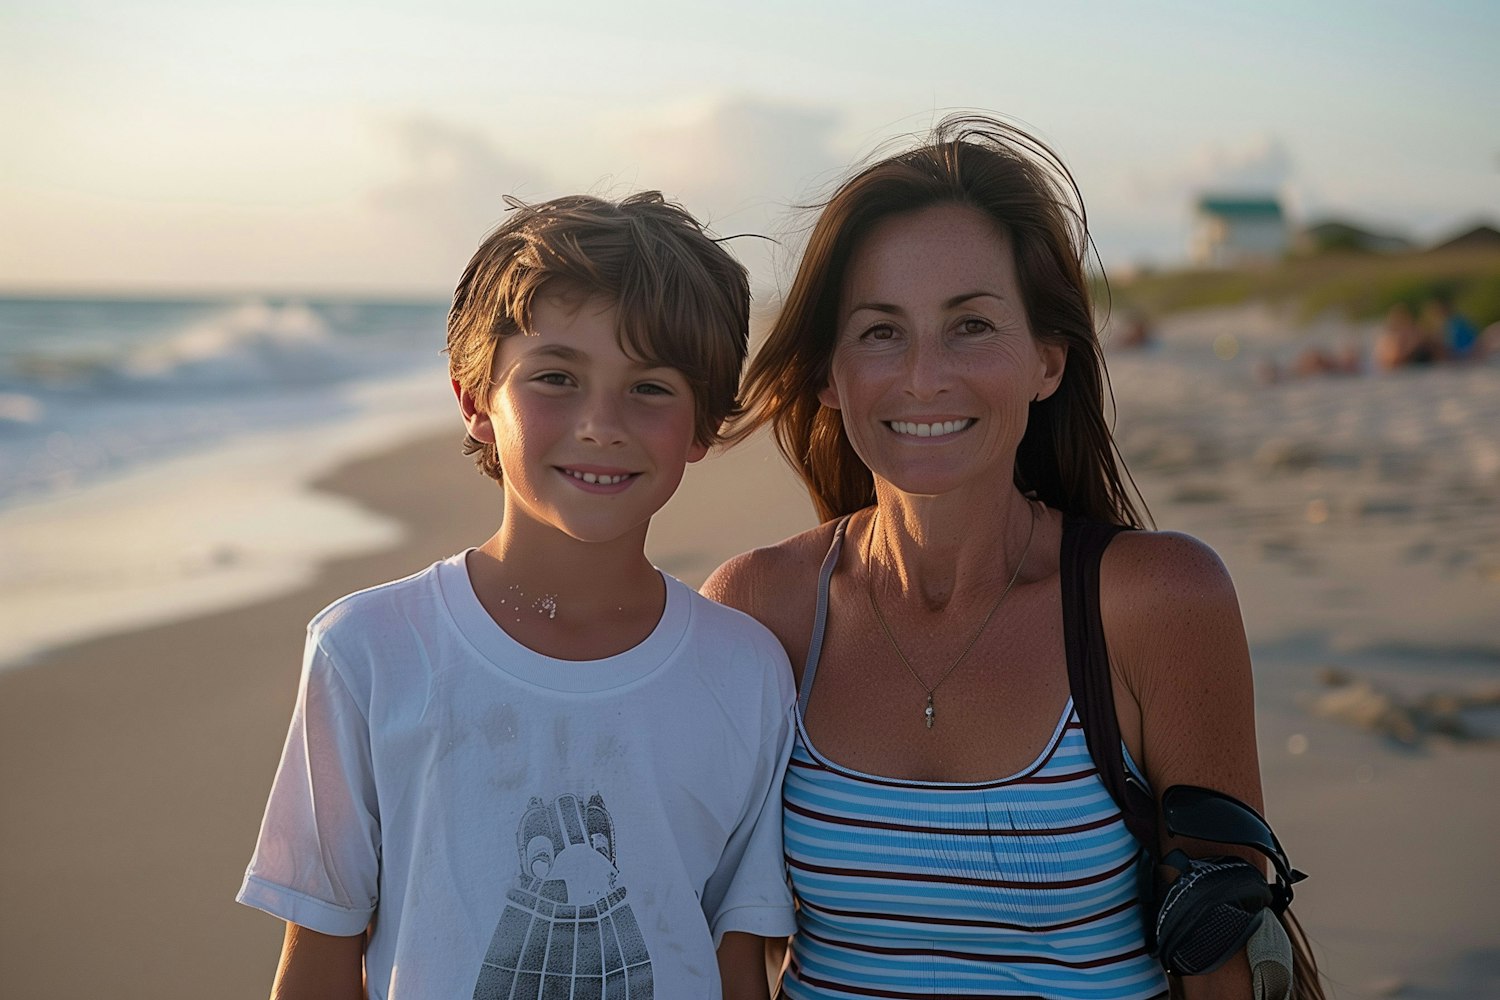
[959, 300]
[950, 303]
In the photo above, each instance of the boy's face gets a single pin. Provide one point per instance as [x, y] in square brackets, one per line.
[592, 442]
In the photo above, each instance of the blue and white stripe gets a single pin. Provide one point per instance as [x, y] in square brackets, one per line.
[1021, 887]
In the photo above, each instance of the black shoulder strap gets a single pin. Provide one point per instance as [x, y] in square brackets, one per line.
[1083, 545]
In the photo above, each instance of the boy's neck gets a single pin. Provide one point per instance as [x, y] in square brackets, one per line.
[565, 598]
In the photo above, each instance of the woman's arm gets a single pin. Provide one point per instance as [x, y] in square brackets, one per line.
[1178, 649]
[320, 966]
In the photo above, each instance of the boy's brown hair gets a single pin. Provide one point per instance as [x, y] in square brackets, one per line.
[682, 300]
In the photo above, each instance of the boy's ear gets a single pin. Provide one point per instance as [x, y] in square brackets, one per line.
[1054, 358]
[697, 452]
[476, 421]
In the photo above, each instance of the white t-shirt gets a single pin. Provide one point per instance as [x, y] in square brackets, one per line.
[511, 825]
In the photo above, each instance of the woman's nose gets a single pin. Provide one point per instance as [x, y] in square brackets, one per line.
[926, 369]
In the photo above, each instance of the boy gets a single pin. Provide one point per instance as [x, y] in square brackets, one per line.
[542, 768]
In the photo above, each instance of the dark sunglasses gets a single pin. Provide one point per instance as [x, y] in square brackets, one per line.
[1204, 814]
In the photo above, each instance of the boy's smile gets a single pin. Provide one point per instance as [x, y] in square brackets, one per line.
[592, 441]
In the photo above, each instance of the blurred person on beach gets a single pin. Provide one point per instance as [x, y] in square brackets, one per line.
[542, 767]
[935, 379]
[1342, 360]
[1314, 361]
[1402, 342]
[1457, 337]
[1135, 333]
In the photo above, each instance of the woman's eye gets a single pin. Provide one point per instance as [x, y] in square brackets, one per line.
[882, 332]
[974, 325]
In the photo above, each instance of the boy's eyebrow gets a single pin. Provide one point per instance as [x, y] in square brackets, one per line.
[560, 351]
[956, 300]
[563, 352]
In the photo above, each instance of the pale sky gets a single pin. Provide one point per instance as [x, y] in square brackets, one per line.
[323, 145]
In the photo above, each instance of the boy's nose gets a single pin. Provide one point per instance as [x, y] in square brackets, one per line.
[599, 422]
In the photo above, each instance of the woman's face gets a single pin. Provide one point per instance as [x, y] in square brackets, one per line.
[934, 363]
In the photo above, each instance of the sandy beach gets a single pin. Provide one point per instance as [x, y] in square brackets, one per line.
[135, 766]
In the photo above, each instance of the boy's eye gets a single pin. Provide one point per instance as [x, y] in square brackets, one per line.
[654, 389]
[553, 378]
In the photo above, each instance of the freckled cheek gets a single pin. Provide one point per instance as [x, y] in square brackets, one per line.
[526, 431]
[670, 431]
[859, 384]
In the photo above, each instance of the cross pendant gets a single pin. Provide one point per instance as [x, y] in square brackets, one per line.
[929, 712]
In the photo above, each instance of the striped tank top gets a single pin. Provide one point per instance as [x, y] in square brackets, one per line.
[1020, 887]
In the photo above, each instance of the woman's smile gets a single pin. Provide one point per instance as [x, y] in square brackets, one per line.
[929, 429]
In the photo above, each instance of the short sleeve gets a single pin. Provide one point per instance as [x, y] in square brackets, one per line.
[317, 861]
[748, 891]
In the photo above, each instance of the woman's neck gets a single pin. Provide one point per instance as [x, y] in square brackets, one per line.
[934, 550]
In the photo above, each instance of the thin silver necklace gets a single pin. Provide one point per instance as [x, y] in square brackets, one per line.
[930, 712]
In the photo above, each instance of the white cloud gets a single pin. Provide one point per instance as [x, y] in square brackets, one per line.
[738, 165]
[454, 181]
[741, 156]
[742, 165]
[1257, 165]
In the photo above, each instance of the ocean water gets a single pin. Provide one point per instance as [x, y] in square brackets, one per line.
[154, 454]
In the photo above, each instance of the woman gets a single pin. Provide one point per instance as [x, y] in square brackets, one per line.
[935, 379]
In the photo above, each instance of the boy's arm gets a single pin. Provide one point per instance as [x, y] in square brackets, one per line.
[742, 967]
[320, 966]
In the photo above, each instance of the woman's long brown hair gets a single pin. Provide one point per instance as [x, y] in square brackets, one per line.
[1067, 456]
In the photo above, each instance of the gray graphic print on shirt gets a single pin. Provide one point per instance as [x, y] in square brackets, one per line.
[566, 931]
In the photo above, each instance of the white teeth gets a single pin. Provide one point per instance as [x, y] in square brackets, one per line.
[591, 477]
[929, 430]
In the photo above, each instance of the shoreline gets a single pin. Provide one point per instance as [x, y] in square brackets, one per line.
[204, 529]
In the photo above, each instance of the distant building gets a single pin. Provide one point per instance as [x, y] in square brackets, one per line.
[1234, 231]
[1335, 235]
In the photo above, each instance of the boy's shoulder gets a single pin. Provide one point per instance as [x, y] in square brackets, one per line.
[714, 616]
[733, 635]
[729, 627]
[415, 594]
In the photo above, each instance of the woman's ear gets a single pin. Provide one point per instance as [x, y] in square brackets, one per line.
[476, 421]
[829, 394]
[1054, 360]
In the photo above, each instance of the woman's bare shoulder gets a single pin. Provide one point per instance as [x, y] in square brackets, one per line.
[1170, 611]
[1158, 570]
[1177, 641]
[768, 582]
